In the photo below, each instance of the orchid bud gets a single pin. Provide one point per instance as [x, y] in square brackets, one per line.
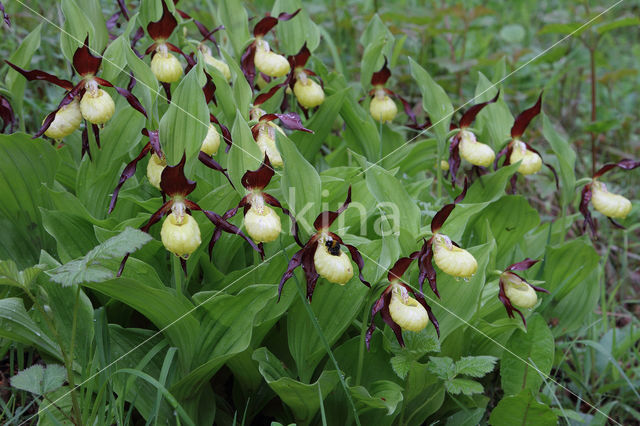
[211, 141]
[154, 170]
[406, 311]
[531, 162]
[270, 63]
[453, 260]
[474, 152]
[308, 92]
[519, 292]
[332, 263]
[611, 205]
[165, 66]
[66, 121]
[262, 223]
[268, 146]
[382, 107]
[96, 105]
[180, 234]
[444, 165]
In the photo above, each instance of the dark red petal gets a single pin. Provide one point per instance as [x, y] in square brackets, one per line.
[400, 267]
[163, 210]
[84, 62]
[584, 209]
[292, 121]
[525, 117]
[539, 289]
[377, 307]
[260, 99]
[463, 194]
[78, 90]
[167, 90]
[325, 219]
[267, 23]
[214, 165]
[209, 89]
[247, 65]
[413, 121]
[507, 304]
[226, 134]
[553, 170]
[616, 224]
[206, 34]
[296, 260]
[426, 268]
[173, 181]
[309, 267]
[219, 222]
[226, 216]
[123, 9]
[443, 214]
[522, 265]
[162, 29]
[259, 178]
[5, 16]
[506, 153]
[154, 140]
[130, 97]
[7, 115]
[96, 134]
[129, 170]
[470, 114]
[85, 143]
[380, 77]
[295, 231]
[41, 75]
[626, 164]
[357, 257]
[134, 40]
[454, 158]
[300, 59]
[386, 317]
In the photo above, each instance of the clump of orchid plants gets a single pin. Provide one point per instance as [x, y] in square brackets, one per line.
[516, 291]
[382, 107]
[613, 206]
[180, 233]
[322, 256]
[397, 308]
[517, 150]
[464, 143]
[446, 254]
[308, 93]
[264, 131]
[259, 54]
[164, 65]
[83, 100]
[260, 221]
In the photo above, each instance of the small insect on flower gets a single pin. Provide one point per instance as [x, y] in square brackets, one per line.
[382, 107]
[516, 291]
[180, 232]
[322, 255]
[308, 93]
[464, 144]
[449, 257]
[517, 150]
[85, 99]
[259, 54]
[397, 308]
[613, 206]
[260, 220]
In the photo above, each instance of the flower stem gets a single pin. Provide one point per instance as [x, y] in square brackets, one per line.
[363, 332]
[177, 273]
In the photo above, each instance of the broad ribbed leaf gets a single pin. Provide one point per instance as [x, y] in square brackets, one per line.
[17, 325]
[292, 34]
[565, 157]
[524, 410]
[22, 58]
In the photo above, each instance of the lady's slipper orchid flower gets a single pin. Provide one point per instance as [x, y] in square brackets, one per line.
[180, 233]
[260, 221]
[449, 257]
[382, 107]
[164, 65]
[259, 55]
[517, 150]
[321, 256]
[612, 205]
[516, 291]
[308, 93]
[211, 142]
[96, 105]
[7, 115]
[398, 309]
[464, 144]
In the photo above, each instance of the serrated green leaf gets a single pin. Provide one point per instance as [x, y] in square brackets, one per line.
[618, 23]
[401, 364]
[40, 380]
[442, 367]
[475, 366]
[464, 386]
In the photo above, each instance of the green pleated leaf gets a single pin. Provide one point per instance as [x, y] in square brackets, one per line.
[236, 24]
[77, 26]
[294, 33]
[244, 154]
[186, 122]
[565, 158]
[381, 395]
[495, 120]
[522, 409]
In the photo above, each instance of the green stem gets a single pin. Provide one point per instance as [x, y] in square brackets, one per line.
[380, 138]
[177, 274]
[363, 333]
[439, 171]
